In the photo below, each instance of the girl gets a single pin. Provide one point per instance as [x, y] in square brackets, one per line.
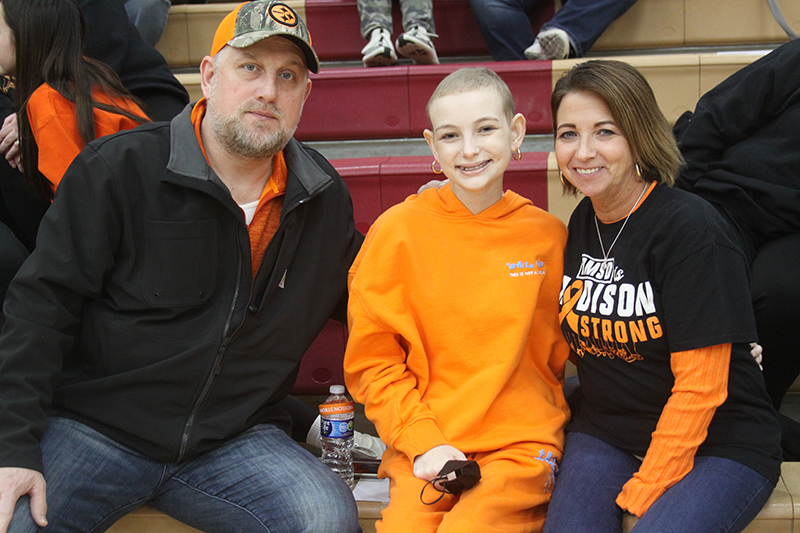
[454, 345]
[63, 99]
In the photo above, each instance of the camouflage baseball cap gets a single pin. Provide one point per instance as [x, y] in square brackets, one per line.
[251, 22]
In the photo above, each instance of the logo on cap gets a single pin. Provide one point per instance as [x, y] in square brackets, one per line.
[283, 15]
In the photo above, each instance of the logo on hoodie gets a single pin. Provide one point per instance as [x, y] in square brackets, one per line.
[525, 268]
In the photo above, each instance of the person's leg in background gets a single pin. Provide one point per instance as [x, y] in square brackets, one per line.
[376, 27]
[505, 27]
[717, 495]
[775, 288]
[419, 29]
[149, 17]
[575, 27]
[260, 481]
[590, 477]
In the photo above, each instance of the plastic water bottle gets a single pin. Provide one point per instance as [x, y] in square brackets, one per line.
[337, 415]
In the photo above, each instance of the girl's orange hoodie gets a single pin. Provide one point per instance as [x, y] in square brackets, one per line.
[454, 334]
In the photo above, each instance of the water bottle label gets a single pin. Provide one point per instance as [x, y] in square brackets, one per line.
[345, 408]
[337, 429]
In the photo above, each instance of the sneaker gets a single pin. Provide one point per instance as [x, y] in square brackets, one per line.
[416, 44]
[367, 447]
[534, 50]
[379, 51]
[364, 446]
[549, 44]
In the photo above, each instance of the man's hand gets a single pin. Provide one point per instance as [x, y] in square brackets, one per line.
[15, 482]
[428, 465]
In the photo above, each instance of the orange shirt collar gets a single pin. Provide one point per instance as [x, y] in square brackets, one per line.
[648, 190]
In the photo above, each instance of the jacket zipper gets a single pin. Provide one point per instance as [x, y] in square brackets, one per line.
[226, 340]
[259, 290]
[217, 369]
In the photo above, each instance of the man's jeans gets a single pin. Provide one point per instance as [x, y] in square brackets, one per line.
[717, 495]
[507, 31]
[259, 481]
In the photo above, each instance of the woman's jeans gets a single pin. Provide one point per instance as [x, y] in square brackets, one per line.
[259, 481]
[718, 495]
[507, 31]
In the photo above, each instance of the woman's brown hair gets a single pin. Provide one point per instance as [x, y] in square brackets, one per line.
[635, 110]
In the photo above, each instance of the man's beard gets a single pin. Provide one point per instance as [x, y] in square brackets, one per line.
[256, 143]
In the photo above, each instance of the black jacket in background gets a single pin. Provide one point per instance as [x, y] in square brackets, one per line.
[742, 147]
[20, 210]
[137, 314]
[114, 40]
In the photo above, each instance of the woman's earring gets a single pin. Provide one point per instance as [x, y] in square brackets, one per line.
[433, 167]
[517, 155]
[638, 171]
[561, 176]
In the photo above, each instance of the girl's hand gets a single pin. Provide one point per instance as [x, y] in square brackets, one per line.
[428, 465]
[756, 350]
[9, 141]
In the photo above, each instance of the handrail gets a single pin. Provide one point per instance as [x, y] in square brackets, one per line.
[776, 12]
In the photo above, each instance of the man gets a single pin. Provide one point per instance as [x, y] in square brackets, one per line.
[179, 276]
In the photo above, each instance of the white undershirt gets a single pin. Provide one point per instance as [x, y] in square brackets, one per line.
[249, 211]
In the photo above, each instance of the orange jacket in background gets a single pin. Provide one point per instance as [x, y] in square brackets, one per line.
[55, 127]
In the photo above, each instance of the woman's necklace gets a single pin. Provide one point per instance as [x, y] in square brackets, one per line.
[597, 226]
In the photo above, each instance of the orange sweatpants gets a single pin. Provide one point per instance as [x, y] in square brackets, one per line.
[511, 497]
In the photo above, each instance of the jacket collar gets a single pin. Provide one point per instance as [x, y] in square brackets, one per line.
[185, 154]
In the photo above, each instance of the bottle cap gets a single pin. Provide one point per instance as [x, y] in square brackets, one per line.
[337, 389]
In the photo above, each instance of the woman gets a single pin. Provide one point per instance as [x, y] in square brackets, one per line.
[675, 425]
[63, 99]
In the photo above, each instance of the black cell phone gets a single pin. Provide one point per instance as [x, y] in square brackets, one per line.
[459, 476]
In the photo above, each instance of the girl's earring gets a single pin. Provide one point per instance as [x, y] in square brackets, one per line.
[561, 175]
[517, 155]
[433, 167]
[638, 171]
